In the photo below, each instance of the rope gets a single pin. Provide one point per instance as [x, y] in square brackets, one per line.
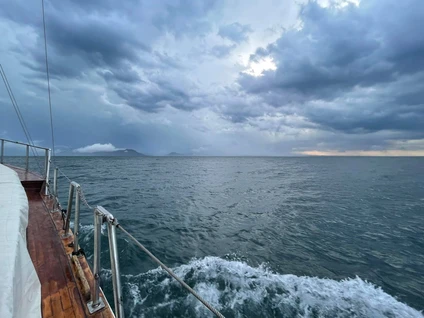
[83, 199]
[170, 272]
[19, 114]
[48, 78]
[81, 193]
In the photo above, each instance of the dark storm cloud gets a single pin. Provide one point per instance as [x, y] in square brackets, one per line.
[155, 95]
[79, 38]
[366, 122]
[235, 32]
[397, 106]
[109, 39]
[340, 53]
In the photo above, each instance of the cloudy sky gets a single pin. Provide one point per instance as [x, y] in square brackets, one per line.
[217, 77]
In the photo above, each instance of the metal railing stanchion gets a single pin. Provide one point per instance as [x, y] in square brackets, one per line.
[69, 210]
[2, 151]
[27, 159]
[76, 222]
[73, 188]
[116, 276]
[55, 171]
[98, 220]
[46, 160]
[48, 154]
[96, 302]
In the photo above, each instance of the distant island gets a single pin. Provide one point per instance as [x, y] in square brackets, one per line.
[119, 153]
[116, 153]
[176, 154]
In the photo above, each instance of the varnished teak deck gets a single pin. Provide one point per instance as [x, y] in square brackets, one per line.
[60, 296]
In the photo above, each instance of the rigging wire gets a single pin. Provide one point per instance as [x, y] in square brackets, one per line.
[16, 106]
[48, 78]
[19, 114]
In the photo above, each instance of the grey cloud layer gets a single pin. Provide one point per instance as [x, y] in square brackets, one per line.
[354, 70]
[85, 37]
[346, 78]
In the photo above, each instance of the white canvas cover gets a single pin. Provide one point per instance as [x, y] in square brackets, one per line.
[20, 289]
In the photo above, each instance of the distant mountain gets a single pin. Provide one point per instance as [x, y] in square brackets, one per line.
[116, 153]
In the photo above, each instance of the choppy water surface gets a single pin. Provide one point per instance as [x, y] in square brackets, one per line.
[264, 237]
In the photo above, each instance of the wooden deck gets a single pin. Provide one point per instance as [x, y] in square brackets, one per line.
[25, 175]
[62, 294]
[29, 180]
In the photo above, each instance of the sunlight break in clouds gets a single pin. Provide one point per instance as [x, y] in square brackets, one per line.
[338, 3]
[257, 68]
[97, 148]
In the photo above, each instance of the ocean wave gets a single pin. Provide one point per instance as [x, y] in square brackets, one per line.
[87, 230]
[239, 290]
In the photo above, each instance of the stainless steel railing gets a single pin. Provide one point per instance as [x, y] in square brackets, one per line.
[47, 159]
[103, 216]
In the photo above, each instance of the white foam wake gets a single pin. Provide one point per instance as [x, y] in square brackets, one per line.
[239, 290]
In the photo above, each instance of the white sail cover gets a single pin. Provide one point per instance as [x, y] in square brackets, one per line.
[20, 289]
